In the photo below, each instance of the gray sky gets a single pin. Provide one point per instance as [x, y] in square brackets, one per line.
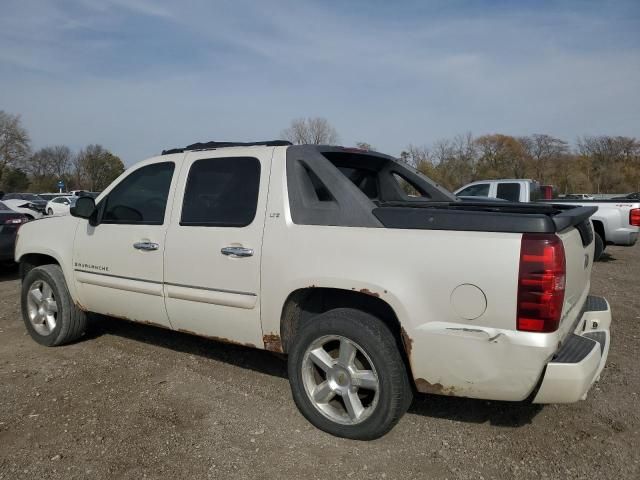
[138, 76]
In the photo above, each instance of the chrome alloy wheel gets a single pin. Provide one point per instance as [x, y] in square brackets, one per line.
[42, 307]
[340, 379]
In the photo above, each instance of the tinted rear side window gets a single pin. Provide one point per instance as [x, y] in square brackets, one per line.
[221, 192]
[509, 191]
[141, 198]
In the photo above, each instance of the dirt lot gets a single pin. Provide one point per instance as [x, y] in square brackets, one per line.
[132, 401]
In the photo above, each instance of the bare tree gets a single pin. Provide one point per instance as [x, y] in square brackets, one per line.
[315, 131]
[365, 146]
[47, 166]
[50, 161]
[543, 150]
[96, 167]
[14, 140]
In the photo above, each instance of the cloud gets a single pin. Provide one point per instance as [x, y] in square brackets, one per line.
[140, 76]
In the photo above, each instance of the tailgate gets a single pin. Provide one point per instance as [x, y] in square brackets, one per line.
[578, 249]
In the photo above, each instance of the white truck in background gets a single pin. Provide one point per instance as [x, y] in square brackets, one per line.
[617, 222]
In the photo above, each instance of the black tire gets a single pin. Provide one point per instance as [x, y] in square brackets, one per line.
[377, 341]
[49, 212]
[70, 321]
[599, 247]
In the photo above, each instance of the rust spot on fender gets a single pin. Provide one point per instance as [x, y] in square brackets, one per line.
[434, 388]
[407, 341]
[366, 291]
[272, 342]
[79, 305]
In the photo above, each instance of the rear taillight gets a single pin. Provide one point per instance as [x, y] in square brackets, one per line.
[541, 283]
[16, 221]
[634, 217]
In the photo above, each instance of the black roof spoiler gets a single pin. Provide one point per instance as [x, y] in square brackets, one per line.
[572, 217]
[212, 145]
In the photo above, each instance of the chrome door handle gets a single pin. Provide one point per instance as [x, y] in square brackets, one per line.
[148, 246]
[237, 252]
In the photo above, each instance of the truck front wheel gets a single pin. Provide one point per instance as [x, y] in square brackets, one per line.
[48, 310]
[347, 375]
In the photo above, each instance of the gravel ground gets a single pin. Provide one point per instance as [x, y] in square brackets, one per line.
[133, 401]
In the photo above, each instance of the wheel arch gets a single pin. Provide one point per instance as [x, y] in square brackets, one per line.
[305, 303]
[598, 227]
[29, 261]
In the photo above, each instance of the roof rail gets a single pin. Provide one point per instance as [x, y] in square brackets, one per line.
[213, 145]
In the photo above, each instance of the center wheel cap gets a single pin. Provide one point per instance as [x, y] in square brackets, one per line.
[340, 378]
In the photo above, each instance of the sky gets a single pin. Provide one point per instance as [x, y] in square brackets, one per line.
[139, 76]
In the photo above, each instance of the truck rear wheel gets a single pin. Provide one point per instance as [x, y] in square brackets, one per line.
[347, 375]
[599, 247]
[48, 310]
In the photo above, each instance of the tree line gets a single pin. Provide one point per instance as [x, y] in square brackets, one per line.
[595, 164]
[23, 170]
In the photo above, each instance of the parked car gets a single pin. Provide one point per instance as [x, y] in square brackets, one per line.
[61, 205]
[79, 193]
[27, 204]
[578, 196]
[615, 222]
[319, 252]
[630, 196]
[40, 203]
[49, 196]
[10, 221]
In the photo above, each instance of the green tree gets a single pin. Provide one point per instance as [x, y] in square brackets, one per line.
[14, 180]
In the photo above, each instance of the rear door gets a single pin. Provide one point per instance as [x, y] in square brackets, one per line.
[509, 191]
[213, 247]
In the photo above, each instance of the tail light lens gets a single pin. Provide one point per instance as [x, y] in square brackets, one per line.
[541, 283]
[16, 221]
[634, 217]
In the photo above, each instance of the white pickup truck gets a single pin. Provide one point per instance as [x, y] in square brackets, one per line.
[374, 280]
[616, 222]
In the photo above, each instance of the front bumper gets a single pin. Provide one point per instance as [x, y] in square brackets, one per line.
[581, 358]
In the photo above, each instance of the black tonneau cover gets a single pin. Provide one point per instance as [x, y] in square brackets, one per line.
[482, 216]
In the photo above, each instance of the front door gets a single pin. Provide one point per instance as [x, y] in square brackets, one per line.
[213, 246]
[118, 264]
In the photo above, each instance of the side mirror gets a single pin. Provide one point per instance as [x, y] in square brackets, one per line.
[84, 207]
